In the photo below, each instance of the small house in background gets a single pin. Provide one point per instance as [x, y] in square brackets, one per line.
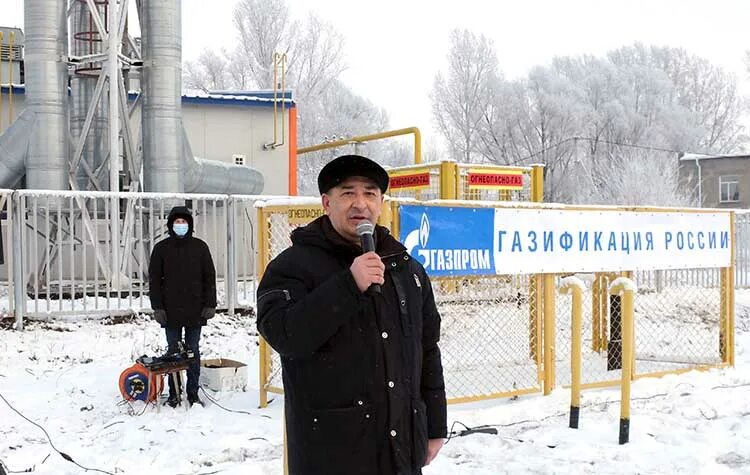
[717, 181]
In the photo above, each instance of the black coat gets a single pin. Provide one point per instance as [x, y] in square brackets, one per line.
[341, 350]
[182, 277]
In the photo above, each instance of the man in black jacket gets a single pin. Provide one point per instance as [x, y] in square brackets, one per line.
[363, 379]
[182, 292]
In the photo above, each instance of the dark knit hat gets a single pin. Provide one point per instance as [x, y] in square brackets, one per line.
[346, 166]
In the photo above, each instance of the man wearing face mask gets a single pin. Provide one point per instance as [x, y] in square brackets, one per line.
[183, 292]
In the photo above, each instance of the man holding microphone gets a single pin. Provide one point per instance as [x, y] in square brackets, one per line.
[357, 331]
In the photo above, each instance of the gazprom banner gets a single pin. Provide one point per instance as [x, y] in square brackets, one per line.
[472, 241]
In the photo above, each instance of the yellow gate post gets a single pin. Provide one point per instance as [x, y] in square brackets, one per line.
[264, 355]
[535, 283]
[575, 350]
[596, 318]
[549, 333]
[449, 180]
[626, 289]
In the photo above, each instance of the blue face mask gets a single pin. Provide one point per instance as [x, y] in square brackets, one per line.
[180, 229]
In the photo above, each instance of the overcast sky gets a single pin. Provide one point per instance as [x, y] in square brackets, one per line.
[394, 47]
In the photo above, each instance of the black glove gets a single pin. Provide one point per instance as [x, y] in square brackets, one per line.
[208, 313]
[160, 315]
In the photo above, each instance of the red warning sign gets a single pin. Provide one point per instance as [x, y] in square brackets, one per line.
[495, 181]
[416, 180]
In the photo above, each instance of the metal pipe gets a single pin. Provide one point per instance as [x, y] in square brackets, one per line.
[625, 288]
[367, 138]
[212, 176]
[13, 146]
[162, 83]
[46, 94]
[230, 277]
[575, 349]
[113, 70]
[275, 88]
[283, 100]
[113, 66]
[700, 183]
[11, 39]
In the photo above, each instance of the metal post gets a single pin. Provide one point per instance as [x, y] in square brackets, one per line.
[537, 183]
[575, 350]
[19, 286]
[230, 279]
[626, 290]
[263, 350]
[114, 138]
[595, 313]
[549, 333]
[448, 180]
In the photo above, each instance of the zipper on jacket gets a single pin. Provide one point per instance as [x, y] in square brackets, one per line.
[287, 297]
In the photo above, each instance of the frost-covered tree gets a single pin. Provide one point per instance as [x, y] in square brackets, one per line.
[460, 96]
[315, 60]
[705, 90]
[601, 125]
[210, 71]
[337, 114]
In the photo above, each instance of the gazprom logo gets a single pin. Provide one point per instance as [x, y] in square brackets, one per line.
[424, 230]
[440, 257]
[418, 236]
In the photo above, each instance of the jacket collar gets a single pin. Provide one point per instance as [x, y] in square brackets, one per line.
[320, 233]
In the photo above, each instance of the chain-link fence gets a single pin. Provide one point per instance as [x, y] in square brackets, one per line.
[490, 333]
[275, 224]
[489, 336]
[492, 341]
[450, 180]
[494, 183]
[421, 182]
[677, 325]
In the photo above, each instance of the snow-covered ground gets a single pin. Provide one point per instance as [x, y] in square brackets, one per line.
[63, 375]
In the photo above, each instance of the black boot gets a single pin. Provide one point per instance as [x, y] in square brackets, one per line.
[173, 400]
[194, 399]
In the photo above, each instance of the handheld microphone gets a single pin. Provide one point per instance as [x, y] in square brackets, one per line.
[365, 231]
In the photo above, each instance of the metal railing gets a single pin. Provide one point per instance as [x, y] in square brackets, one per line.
[72, 265]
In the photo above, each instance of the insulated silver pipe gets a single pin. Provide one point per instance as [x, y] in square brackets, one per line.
[13, 145]
[213, 176]
[162, 88]
[168, 162]
[46, 93]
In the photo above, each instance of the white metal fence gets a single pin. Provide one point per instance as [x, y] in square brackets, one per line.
[87, 253]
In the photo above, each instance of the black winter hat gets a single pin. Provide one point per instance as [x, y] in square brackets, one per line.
[346, 166]
[180, 212]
